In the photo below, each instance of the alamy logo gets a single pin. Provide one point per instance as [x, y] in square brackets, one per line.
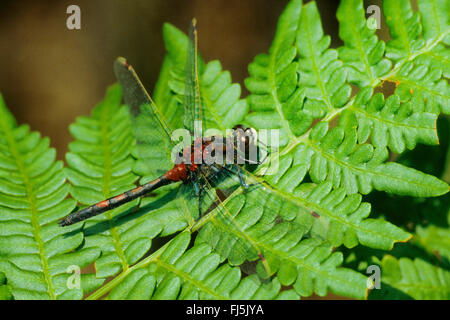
[374, 280]
[374, 21]
[74, 280]
[73, 21]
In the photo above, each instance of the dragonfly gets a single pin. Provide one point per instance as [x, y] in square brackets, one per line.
[246, 195]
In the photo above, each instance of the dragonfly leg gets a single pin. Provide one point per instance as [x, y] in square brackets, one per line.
[241, 177]
[196, 187]
[198, 193]
[200, 202]
[216, 170]
[265, 158]
[257, 162]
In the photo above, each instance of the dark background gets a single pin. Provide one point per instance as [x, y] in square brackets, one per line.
[50, 75]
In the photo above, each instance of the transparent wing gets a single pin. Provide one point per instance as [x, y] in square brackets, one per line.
[192, 99]
[151, 130]
[136, 96]
[259, 224]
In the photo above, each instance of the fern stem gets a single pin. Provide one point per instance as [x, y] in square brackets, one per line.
[109, 286]
[186, 276]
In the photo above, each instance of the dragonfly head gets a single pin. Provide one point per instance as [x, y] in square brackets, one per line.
[246, 141]
[245, 136]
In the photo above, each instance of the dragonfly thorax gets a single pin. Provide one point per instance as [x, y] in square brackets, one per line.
[213, 152]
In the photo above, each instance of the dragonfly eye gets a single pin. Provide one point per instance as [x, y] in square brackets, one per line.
[245, 136]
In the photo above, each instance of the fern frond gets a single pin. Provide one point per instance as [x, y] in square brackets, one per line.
[340, 155]
[416, 278]
[178, 273]
[35, 252]
[349, 158]
[337, 142]
[307, 264]
[277, 223]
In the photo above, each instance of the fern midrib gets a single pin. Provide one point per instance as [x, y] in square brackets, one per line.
[391, 123]
[361, 51]
[420, 86]
[437, 57]
[299, 262]
[274, 94]
[336, 160]
[305, 139]
[118, 279]
[317, 70]
[185, 276]
[106, 184]
[33, 209]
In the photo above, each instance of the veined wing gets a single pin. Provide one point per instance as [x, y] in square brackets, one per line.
[192, 99]
[135, 94]
[260, 224]
[151, 130]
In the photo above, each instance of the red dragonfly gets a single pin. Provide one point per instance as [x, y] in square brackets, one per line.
[186, 169]
[266, 206]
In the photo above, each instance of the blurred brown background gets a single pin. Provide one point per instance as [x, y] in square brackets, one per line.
[50, 75]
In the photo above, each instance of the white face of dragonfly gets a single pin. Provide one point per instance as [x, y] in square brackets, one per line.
[245, 140]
